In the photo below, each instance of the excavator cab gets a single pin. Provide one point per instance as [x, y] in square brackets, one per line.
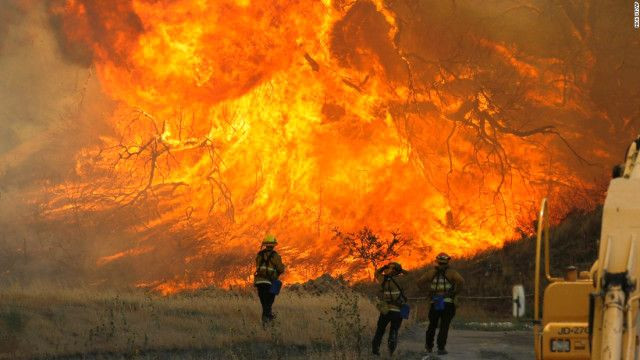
[561, 331]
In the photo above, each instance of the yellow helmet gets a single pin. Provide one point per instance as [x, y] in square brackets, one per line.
[269, 240]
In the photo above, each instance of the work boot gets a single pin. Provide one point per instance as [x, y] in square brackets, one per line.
[429, 350]
[392, 347]
[442, 352]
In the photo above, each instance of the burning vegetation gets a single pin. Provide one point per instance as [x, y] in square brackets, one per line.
[196, 127]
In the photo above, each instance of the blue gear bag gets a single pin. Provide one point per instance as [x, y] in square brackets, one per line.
[276, 285]
[404, 311]
[438, 302]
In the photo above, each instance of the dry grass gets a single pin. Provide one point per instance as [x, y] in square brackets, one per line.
[45, 323]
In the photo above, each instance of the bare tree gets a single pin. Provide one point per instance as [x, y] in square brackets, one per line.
[369, 248]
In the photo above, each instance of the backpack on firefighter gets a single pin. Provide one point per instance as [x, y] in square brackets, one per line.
[391, 296]
[266, 270]
[442, 289]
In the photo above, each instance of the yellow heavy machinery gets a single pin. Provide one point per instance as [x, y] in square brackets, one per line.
[595, 316]
[563, 330]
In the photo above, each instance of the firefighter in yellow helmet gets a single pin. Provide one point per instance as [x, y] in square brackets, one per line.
[390, 301]
[269, 267]
[442, 284]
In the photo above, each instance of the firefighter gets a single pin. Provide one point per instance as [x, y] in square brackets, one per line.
[390, 301]
[269, 267]
[443, 284]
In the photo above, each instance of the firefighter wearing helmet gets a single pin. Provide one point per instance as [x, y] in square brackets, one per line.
[391, 300]
[442, 284]
[269, 267]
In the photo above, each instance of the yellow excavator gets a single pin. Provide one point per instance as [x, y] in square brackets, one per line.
[594, 314]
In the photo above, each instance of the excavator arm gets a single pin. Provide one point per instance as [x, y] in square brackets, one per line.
[614, 324]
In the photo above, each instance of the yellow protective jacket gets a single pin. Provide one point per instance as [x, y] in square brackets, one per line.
[269, 266]
[441, 281]
[390, 291]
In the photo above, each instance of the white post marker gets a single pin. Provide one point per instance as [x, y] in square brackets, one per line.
[518, 301]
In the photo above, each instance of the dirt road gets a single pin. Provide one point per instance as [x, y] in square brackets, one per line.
[469, 345]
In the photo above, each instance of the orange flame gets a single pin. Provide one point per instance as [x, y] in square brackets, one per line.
[240, 117]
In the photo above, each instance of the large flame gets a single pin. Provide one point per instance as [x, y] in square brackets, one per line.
[240, 117]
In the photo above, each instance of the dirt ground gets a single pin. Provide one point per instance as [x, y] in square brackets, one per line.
[468, 345]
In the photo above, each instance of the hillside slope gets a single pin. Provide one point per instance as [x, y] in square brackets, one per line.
[493, 272]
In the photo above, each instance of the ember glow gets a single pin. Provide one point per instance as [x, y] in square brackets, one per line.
[235, 118]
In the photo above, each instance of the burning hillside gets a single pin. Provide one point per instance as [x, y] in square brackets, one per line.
[447, 121]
